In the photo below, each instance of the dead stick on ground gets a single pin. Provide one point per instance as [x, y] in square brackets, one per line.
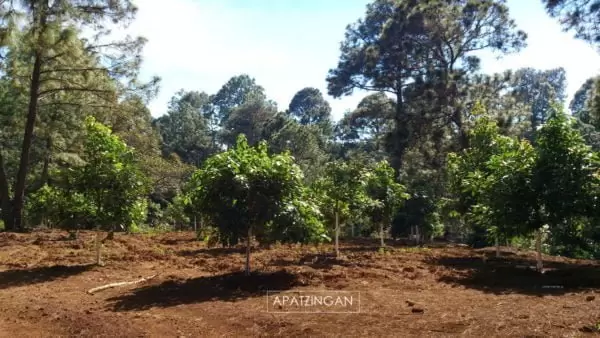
[114, 285]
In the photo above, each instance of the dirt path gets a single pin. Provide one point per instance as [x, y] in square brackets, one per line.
[201, 291]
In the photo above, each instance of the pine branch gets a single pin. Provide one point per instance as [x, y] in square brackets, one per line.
[68, 70]
[75, 89]
[75, 104]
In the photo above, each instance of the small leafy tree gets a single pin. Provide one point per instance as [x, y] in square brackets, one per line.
[565, 179]
[511, 188]
[246, 191]
[492, 181]
[505, 198]
[111, 180]
[386, 196]
[469, 163]
[340, 191]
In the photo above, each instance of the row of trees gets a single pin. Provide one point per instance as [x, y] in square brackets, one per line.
[506, 187]
[52, 78]
[198, 125]
[79, 148]
[246, 192]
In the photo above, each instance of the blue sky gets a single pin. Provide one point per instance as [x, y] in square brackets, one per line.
[291, 44]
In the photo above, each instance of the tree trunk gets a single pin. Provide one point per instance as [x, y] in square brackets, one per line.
[98, 245]
[401, 133]
[45, 171]
[381, 234]
[5, 204]
[337, 235]
[6, 215]
[497, 247]
[45, 176]
[15, 214]
[248, 241]
[27, 140]
[417, 235]
[352, 229]
[538, 248]
[195, 227]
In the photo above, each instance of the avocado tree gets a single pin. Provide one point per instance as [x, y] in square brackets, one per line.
[246, 191]
[385, 196]
[511, 188]
[341, 191]
[111, 180]
[505, 198]
[565, 179]
[492, 181]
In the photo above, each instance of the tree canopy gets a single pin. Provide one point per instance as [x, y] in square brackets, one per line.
[409, 47]
[244, 189]
[582, 16]
[436, 147]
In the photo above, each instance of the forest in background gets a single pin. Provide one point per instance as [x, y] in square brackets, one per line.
[437, 150]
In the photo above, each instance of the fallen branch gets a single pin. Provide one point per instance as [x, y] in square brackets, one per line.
[114, 285]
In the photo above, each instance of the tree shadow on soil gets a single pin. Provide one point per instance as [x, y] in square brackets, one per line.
[214, 252]
[21, 277]
[374, 243]
[177, 241]
[515, 275]
[323, 261]
[226, 287]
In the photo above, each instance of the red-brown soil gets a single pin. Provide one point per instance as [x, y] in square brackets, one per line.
[201, 292]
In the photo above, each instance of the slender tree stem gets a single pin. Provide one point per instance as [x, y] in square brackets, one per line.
[538, 247]
[248, 241]
[337, 235]
[381, 234]
[497, 246]
[98, 261]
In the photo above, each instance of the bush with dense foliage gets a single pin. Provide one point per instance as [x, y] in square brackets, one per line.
[245, 191]
[509, 188]
[492, 182]
[108, 191]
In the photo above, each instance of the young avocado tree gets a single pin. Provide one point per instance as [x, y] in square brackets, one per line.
[385, 196]
[341, 192]
[492, 181]
[565, 179]
[246, 191]
[515, 189]
[111, 180]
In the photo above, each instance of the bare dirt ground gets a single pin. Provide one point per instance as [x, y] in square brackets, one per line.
[201, 291]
